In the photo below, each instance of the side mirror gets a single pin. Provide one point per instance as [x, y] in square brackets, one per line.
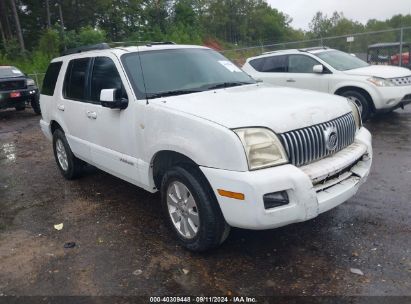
[319, 69]
[111, 98]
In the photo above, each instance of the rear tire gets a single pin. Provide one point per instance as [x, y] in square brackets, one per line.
[361, 101]
[69, 165]
[20, 108]
[193, 207]
[35, 104]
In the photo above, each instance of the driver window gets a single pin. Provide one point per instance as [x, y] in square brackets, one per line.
[301, 64]
[104, 76]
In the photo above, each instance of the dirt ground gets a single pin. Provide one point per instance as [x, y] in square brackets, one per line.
[124, 248]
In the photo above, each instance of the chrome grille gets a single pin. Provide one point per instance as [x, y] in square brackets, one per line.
[402, 81]
[306, 145]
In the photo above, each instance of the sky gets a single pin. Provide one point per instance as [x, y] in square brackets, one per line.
[302, 11]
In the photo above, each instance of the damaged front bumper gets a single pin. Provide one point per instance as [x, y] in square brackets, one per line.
[311, 190]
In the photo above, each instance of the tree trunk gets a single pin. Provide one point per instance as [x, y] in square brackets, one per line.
[62, 24]
[18, 27]
[48, 14]
[4, 19]
[3, 35]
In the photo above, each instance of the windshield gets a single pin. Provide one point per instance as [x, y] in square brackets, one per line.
[6, 72]
[181, 71]
[341, 61]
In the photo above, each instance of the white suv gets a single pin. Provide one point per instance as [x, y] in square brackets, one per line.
[373, 88]
[222, 149]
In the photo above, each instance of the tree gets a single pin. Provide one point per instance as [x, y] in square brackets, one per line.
[17, 24]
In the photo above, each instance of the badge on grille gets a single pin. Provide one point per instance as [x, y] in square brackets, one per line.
[331, 138]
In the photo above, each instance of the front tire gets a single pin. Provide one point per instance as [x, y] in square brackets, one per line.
[192, 209]
[69, 165]
[361, 101]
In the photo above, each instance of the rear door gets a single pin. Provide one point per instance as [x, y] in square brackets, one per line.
[73, 107]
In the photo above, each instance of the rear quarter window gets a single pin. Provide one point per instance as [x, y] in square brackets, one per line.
[50, 79]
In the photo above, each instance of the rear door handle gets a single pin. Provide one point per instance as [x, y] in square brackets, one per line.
[290, 80]
[91, 115]
[61, 107]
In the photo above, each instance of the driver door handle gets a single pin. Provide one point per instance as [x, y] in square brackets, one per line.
[290, 80]
[91, 114]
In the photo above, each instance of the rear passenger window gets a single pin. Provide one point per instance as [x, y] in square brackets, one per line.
[275, 64]
[75, 80]
[272, 64]
[50, 79]
[257, 64]
[104, 76]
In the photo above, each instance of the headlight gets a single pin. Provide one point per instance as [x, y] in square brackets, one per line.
[30, 82]
[381, 82]
[356, 113]
[262, 148]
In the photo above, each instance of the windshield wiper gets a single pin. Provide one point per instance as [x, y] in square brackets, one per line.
[227, 85]
[170, 93]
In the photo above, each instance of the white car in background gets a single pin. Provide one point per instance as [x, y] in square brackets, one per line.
[373, 88]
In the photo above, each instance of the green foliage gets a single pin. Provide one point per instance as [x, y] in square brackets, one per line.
[49, 43]
[227, 23]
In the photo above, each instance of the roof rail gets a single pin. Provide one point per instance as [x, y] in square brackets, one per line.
[160, 43]
[86, 48]
[314, 48]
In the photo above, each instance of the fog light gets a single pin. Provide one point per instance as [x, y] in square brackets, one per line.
[275, 199]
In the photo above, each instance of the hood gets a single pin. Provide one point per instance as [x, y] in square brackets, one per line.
[278, 108]
[382, 71]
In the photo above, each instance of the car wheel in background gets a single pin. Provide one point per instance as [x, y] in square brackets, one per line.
[361, 101]
[192, 209]
[35, 104]
[69, 165]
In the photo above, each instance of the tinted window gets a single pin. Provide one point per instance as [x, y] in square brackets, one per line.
[272, 64]
[104, 76]
[257, 64]
[275, 64]
[50, 79]
[75, 81]
[301, 64]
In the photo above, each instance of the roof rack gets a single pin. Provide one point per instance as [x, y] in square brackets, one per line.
[315, 48]
[86, 48]
[160, 43]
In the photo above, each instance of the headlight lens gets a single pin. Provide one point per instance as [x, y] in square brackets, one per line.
[30, 82]
[381, 82]
[356, 113]
[262, 148]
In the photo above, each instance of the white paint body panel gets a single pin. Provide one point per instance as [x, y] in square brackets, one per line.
[199, 126]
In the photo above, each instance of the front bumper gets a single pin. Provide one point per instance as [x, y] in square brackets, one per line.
[390, 98]
[308, 192]
[6, 101]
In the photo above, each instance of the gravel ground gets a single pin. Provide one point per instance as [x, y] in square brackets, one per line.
[124, 248]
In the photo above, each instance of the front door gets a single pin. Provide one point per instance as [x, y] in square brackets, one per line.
[111, 131]
[300, 74]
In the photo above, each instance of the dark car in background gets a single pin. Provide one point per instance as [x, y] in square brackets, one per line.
[17, 89]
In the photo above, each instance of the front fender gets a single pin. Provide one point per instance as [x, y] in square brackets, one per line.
[208, 144]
